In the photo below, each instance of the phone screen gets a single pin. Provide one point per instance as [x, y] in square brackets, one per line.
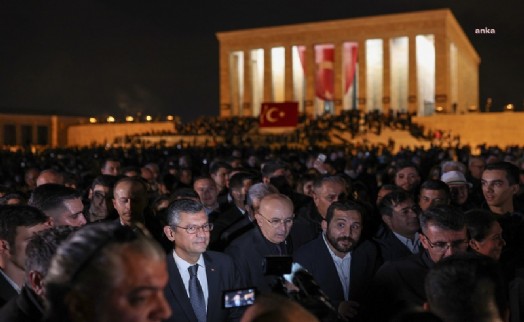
[239, 298]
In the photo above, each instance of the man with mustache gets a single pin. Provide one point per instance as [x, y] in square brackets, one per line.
[399, 235]
[340, 265]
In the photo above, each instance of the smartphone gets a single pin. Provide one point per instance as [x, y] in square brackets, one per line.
[238, 298]
[321, 158]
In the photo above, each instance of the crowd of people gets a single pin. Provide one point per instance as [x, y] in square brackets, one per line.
[158, 234]
[243, 131]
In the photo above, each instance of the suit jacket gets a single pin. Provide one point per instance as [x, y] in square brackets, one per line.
[226, 220]
[248, 252]
[398, 286]
[7, 291]
[390, 247]
[23, 308]
[315, 257]
[221, 275]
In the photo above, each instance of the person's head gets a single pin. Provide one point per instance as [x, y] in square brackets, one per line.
[485, 233]
[343, 226]
[384, 190]
[400, 213]
[275, 217]
[17, 226]
[100, 197]
[305, 184]
[500, 182]
[107, 272]
[30, 177]
[207, 191]
[39, 251]
[185, 176]
[433, 192]
[62, 204]
[184, 193]
[130, 171]
[50, 176]
[447, 166]
[326, 190]
[272, 169]
[130, 199]
[255, 193]
[458, 186]
[407, 176]
[219, 172]
[272, 307]
[476, 165]
[444, 232]
[188, 228]
[110, 167]
[239, 185]
[153, 167]
[13, 198]
[467, 287]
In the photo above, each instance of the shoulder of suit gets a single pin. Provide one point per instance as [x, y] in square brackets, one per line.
[307, 248]
[213, 255]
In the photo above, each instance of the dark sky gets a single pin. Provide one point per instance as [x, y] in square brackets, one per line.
[108, 57]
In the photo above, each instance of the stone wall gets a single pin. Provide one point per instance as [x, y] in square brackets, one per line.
[502, 129]
[91, 134]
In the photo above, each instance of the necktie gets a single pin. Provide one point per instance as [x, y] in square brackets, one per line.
[196, 295]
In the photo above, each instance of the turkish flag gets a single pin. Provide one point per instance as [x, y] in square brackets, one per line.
[279, 114]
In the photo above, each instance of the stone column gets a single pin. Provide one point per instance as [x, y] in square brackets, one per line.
[236, 108]
[225, 96]
[288, 71]
[268, 81]
[248, 86]
[386, 76]
[442, 72]
[412, 82]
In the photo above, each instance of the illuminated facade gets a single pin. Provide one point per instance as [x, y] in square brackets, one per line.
[417, 62]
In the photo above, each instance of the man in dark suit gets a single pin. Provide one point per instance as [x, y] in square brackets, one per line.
[399, 238]
[228, 230]
[28, 306]
[399, 285]
[17, 225]
[341, 266]
[274, 220]
[239, 185]
[196, 277]
[326, 190]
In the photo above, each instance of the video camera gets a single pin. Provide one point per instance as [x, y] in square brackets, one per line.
[295, 282]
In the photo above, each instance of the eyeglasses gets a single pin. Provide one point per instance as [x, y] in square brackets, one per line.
[275, 222]
[192, 229]
[444, 246]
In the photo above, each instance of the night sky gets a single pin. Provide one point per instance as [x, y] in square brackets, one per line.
[161, 56]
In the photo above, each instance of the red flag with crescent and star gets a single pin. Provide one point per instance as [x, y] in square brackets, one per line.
[279, 114]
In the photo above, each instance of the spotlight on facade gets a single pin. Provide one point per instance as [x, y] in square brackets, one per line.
[170, 117]
[509, 108]
[110, 119]
[439, 109]
[148, 118]
[92, 120]
[129, 118]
